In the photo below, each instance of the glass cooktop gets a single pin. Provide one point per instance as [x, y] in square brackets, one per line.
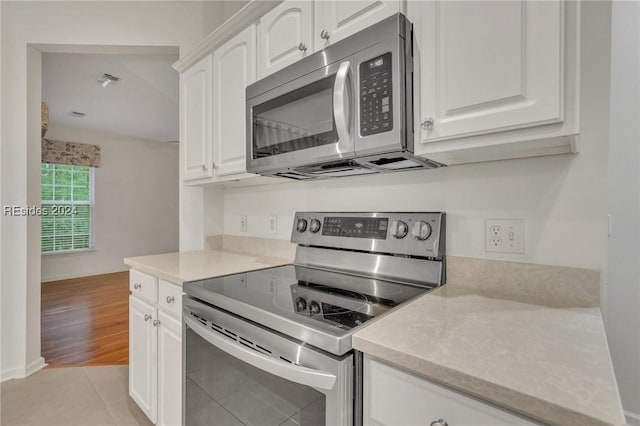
[301, 302]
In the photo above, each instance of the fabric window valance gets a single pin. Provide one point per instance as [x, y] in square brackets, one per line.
[73, 153]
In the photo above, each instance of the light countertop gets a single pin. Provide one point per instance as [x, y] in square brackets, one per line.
[181, 267]
[539, 350]
[548, 363]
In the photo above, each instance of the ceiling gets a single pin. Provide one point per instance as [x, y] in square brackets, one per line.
[143, 103]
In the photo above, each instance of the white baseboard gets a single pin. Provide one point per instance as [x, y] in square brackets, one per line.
[21, 373]
[82, 275]
[633, 419]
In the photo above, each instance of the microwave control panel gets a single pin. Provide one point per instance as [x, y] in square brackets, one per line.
[376, 111]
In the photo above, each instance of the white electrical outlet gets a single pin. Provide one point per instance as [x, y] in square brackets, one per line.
[504, 236]
[243, 223]
[273, 224]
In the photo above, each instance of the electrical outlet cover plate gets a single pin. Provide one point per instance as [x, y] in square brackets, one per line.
[504, 236]
[273, 224]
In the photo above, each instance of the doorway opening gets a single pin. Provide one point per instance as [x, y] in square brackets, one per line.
[108, 189]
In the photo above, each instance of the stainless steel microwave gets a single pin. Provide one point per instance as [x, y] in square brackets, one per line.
[345, 110]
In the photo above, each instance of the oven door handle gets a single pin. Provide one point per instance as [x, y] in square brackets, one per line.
[295, 373]
[342, 108]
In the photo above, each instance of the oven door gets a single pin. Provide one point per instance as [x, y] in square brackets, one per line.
[305, 121]
[239, 373]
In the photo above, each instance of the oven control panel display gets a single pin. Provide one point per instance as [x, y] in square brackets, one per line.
[356, 227]
[376, 112]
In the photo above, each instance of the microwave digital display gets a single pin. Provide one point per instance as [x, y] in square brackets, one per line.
[376, 63]
[376, 95]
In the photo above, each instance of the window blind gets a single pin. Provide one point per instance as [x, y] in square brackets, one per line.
[67, 203]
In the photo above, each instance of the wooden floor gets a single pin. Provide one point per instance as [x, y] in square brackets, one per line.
[85, 321]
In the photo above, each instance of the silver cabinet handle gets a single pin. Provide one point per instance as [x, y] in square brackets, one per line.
[324, 34]
[170, 299]
[439, 422]
[302, 47]
[137, 286]
[147, 317]
[427, 124]
[156, 322]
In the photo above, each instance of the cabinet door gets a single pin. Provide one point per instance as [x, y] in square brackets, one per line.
[142, 356]
[393, 397]
[195, 124]
[234, 67]
[169, 370]
[285, 35]
[488, 66]
[340, 19]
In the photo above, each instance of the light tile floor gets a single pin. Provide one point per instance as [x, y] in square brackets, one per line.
[74, 396]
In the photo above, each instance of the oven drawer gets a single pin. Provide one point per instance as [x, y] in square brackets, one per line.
[170, 298]
[143, 285]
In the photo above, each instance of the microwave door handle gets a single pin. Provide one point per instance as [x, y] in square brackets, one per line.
[341, 108]
[295, 373]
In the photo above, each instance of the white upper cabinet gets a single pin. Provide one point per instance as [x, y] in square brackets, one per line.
[335, 20]
[490, 66]
[285, 35]
[196, 107]
[495, 80]
[234, 68]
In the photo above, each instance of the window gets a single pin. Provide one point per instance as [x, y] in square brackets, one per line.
[67, 204]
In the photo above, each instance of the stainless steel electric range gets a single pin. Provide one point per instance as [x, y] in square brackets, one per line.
[273, 346]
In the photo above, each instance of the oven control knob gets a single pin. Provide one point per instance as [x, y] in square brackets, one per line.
[314, 308]
[301, 225]
[399, 229]
[421, 230]
[301, 304]
[314, 226]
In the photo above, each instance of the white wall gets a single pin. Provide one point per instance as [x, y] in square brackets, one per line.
[562, 198]
[136, 203]
[215, 13]
[56, 23]
[623, 317]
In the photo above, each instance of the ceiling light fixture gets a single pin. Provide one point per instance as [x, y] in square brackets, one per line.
[107, 79]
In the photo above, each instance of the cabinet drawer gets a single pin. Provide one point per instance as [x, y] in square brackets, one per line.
[170, 298]
[143, 285]
[394, 397]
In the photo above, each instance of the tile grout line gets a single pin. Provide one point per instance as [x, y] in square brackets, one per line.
[104, 403]
[217, 402]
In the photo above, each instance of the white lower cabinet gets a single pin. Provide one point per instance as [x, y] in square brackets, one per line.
[169, 371]
[155, 349]
[142, 351]
[394, 397]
